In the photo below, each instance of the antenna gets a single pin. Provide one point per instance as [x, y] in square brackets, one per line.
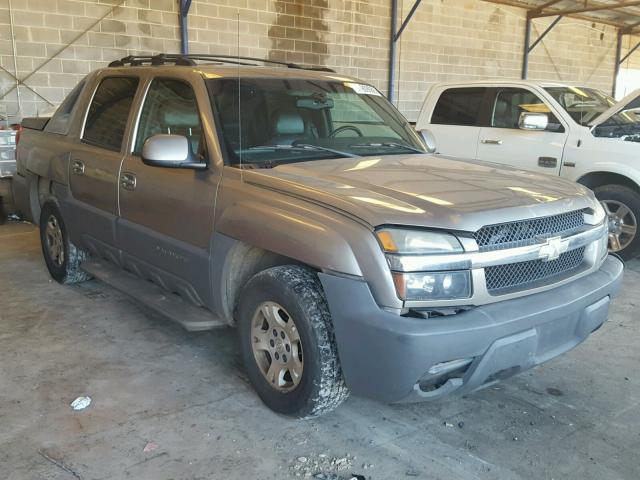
[239, 104]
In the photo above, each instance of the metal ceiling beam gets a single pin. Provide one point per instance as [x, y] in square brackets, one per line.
[629, 29]
[592, 8]
[539, 9]
[586, 18]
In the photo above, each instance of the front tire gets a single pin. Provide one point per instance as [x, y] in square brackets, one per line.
[287, 342]
[61, 256]
[622, 205]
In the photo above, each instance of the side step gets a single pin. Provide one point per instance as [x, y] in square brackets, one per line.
[165, 304]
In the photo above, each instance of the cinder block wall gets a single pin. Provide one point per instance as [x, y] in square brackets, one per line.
[59, 41]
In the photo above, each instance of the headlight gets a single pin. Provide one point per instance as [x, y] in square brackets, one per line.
[399, 240]
[598, 213]
[422, 286]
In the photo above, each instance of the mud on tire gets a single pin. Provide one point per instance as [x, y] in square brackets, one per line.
[298, 291]
[61, 256]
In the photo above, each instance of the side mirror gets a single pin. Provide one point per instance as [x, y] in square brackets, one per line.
[533, 121]
[429, 140]
[170, 151]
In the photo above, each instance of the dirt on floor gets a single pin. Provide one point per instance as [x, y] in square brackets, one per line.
[168, 404]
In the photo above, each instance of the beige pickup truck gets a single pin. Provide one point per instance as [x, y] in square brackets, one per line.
[299, 206]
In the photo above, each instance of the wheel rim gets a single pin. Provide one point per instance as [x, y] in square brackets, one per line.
[622, 224]
[276, 346]
[54, 241]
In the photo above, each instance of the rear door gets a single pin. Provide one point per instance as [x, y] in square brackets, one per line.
[94, 163]
[166, 222]
[502, 141]
[455, 121]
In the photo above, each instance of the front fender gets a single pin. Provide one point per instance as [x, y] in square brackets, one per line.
[295, 234]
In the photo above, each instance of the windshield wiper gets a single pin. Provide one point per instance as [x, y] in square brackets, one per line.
[299, 147]
[388, 145]
[306, 147]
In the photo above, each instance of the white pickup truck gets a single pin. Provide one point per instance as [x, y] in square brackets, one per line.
[578, 133]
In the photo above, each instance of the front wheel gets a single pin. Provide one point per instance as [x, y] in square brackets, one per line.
[62, 257]
[622, 205]
[288, 344]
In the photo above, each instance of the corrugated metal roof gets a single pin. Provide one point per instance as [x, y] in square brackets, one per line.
[623, 14]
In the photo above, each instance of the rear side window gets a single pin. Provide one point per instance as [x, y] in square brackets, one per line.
[459, 106]
[109, 111]
[61, 120]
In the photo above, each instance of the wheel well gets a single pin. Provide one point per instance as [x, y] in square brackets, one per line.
[41, 190]
[243, 262]
[598, 179]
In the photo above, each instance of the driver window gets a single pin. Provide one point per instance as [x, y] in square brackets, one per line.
[170, 107]
[511, 102]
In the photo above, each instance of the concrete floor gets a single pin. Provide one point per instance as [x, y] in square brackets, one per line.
[577, 417]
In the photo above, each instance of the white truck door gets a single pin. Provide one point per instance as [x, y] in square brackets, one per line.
[504, 142]
[454, 121]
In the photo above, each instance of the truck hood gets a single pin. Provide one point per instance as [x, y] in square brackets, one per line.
[627, 103]
[424, 190]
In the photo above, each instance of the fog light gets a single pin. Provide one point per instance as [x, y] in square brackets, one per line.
[433, 285]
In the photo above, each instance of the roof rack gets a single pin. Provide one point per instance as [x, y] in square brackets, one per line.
[190, 60]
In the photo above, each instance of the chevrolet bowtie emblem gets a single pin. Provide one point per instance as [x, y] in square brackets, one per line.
[552, 248]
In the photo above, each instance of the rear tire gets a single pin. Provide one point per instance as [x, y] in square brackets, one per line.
[622, 205]
[283, 313]
[62, 257]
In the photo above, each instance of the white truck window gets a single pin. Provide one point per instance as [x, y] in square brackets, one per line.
[511, 102]
[459, 106]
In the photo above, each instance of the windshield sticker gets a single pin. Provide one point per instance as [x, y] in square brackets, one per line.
[361, 89]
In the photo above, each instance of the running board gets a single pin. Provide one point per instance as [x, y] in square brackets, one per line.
[168, 305]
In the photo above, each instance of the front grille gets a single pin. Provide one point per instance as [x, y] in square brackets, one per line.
[515, 276]
[524, 232]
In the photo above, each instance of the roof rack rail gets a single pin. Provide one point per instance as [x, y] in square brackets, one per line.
[189, 60]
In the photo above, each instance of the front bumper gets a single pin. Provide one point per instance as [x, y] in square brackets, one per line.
[388, 357]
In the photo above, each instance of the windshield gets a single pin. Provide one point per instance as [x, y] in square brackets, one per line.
[276, 121]
[583, 104]
[586, 104]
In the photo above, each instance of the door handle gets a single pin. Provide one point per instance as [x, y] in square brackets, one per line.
[491, 142]
[78, 167]
[128, 181]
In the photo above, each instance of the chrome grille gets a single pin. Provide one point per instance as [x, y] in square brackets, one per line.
[524, 232]
[502, 278]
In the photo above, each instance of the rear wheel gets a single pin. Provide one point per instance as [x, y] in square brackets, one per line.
[287, 342]
[622, 205]
[62, 257]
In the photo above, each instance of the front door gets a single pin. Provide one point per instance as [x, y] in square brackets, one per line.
[166, 222]
[504, 142]
[94, 164]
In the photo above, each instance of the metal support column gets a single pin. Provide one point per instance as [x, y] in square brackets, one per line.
[529, 48]
[525, 53]
[394, 36]
[616, 68]
[184, 7]
[391, 84]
